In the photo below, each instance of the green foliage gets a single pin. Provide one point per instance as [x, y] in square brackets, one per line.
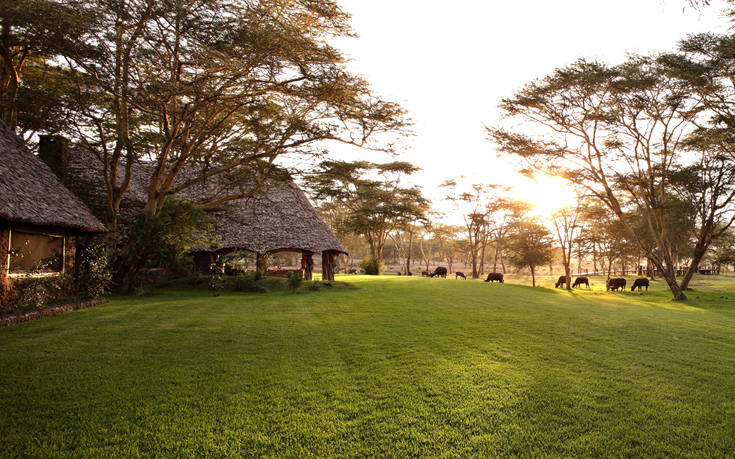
[95, 276]
[294, 280]
[313, 286]
[163, 240]
[36, 289]
[372, 266]
[530, 246]
[216, 284]
[367, 198]
[38, 292]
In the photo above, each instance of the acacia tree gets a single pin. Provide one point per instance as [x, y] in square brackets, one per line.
[566, 224]
[620, 133]
[30, 32]
[473, 204]
[704, 66]
[372, 194]
[530, 246]
[212, 91]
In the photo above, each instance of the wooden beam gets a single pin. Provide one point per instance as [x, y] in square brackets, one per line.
[328, 265]
[307, 264]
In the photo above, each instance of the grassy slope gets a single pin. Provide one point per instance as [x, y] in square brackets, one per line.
[401, 366]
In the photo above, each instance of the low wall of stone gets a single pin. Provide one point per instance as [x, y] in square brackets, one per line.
[48, 311]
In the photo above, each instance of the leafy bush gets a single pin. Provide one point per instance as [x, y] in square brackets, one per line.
[162, 240]
[95, 276]
[294, 280]
[38, 292]
[372, 266]
[313, 286]
[216, 284]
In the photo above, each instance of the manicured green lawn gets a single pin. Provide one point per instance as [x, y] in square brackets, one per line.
[396, 367]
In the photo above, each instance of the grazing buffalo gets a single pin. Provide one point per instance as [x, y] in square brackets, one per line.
[459, 274]
[409, 273]
[492, 277]
[352, 271]
[641, 282]
[441, 271]
[616, 283]
[561, 281]
[581, 280]
[425, 273]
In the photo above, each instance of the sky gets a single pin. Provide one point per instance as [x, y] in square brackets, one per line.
[450, 63]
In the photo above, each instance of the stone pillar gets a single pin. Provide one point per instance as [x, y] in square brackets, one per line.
[307, 264]
[328, 265]
[4, 247]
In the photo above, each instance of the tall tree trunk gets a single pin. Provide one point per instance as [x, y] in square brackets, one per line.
[568, 272]
[533, 277]
[594, 257]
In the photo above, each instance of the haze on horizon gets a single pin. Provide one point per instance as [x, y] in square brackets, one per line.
[449, 67]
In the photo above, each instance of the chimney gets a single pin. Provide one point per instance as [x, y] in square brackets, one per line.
[54, 151]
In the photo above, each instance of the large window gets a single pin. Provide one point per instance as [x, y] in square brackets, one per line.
[32, 253]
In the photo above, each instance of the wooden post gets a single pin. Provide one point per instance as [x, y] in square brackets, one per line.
[328, 265]
[307, 264]
[260, 263]
[4, 247]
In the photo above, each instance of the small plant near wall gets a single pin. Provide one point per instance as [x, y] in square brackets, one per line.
[95, 276]
[36, 289]
[216, 283]
[294, 280]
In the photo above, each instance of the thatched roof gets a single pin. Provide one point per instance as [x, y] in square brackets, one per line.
[281, 218]
[31, 193]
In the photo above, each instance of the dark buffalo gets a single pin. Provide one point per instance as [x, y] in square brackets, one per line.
[352, 271]
[581, 280]
[409, 273]
[441, 271]
[616, 283]
[641, 282]
[459, 274]
[492, 277]
[425, 273]
[561, 281]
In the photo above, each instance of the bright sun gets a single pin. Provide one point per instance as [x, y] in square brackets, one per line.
[546, 194]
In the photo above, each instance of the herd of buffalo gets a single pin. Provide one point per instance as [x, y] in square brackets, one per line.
[614, 284]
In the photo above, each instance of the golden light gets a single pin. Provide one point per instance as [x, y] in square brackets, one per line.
[546, 194]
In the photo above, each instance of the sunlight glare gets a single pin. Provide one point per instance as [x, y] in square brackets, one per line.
[546, 194]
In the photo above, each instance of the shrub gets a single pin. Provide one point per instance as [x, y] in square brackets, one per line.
[162, 240]
[372, 266]
[38, 292]
[313, 286]
[95, 276]
[294, 280]
[216, 284]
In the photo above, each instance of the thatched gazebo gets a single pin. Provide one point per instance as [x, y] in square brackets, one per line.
[40, 219]
[281, 218]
